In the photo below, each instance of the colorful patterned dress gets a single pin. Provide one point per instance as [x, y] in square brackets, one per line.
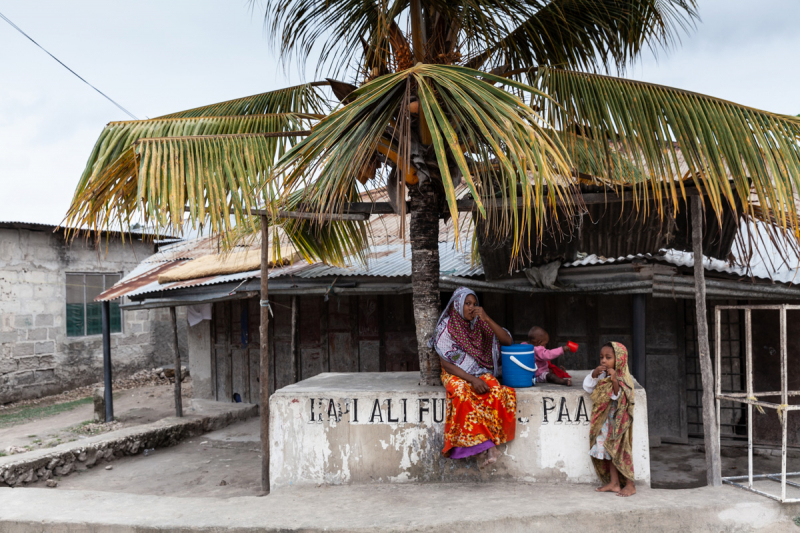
[474, 423]
[611, 430]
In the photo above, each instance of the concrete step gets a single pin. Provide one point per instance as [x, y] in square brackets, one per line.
[495, 507]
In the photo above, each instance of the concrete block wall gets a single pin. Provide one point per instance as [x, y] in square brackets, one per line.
[36, 355]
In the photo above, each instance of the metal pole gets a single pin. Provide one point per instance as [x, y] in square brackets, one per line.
[710, 431]
[176, 350]
[784, 401]
[264, 374]
[106, 320]
[639, 344]
[748, 335]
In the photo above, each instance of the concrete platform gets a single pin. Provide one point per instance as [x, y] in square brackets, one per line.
[385, 428]
[490, 508]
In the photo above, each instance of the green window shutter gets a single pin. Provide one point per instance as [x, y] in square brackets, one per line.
[75, 320]
[116, 317]
[94, 318]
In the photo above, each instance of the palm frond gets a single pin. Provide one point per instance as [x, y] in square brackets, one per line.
[730, 151]
[217, 179]
[118, 137]
[336, 28]
[465, 112]
[335, 242]
[589, 34]
[305, 99]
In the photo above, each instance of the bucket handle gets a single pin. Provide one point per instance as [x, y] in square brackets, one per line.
[516, 362]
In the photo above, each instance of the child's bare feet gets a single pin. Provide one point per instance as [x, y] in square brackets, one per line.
[611, 487]
[628, 490]
[567, 382]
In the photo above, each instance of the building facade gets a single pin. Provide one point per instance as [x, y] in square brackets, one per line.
[50, 327]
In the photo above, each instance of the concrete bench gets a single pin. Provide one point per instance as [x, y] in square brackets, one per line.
[382, 427]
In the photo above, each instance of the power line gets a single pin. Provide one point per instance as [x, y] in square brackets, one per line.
[66, 67]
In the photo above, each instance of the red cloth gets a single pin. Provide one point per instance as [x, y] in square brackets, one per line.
[558, 371]
[473, 419]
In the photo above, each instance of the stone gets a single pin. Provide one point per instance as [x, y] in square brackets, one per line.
[91, 457]
[23, 348]
[24, 378]
[53, 463]
[37, 334]
[52, 483]
[110, 467]
[45, 347]
[223, 483]
[23, 321]
[44, 320]
[64, 470]
[8, 365]
[99, 399]
[45, 376]
[30, 362]
[82, 456]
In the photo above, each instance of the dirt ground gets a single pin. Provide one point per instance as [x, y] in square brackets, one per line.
[226, 463]
[220, 464]
[134, 406]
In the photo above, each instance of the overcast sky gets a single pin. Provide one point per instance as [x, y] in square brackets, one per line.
[160, 56]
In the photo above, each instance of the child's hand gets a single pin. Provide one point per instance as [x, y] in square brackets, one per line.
[611, 373]
[597, 371]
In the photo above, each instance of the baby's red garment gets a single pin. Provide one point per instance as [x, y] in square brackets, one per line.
[557, 371]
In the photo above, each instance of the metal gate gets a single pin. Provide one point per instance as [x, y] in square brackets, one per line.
[733, 416]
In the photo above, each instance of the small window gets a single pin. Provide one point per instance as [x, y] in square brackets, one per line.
[84, 315]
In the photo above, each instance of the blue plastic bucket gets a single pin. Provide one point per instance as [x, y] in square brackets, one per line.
[519, 365]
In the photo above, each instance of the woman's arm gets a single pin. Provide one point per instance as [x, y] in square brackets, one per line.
[502, 335]
[478, 384]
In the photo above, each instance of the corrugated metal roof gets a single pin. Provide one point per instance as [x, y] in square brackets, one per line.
[759, 270]
[38, 226]
[382, 261]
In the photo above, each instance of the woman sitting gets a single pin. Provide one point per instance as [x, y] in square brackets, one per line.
[481, 413]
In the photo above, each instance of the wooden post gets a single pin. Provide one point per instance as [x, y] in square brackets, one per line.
[295, 359]
[264, 334]
[178, 402]
[710, 429]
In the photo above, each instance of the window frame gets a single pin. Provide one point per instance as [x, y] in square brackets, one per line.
[120, 275]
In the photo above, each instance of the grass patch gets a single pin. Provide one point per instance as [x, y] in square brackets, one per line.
[34, 412]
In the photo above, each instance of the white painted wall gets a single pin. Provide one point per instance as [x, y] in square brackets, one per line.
[329, 430]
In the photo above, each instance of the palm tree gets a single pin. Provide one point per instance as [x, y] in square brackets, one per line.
[513, 99]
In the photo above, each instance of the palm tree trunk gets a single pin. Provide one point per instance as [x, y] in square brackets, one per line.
[425, 276]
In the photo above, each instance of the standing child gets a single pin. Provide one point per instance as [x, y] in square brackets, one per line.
[546, 371]
[611, 430]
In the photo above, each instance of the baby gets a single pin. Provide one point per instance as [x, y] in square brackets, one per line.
[546, 371]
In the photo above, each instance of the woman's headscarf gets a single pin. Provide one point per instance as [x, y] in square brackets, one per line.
[620, 435]
[471, 345]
